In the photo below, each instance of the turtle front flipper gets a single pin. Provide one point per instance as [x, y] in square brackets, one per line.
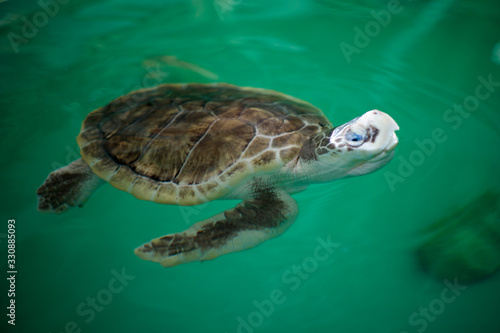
[66, 187]
[267, 214]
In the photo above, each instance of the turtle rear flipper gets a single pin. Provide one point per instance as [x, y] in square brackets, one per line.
[267, 214]
[67, 187]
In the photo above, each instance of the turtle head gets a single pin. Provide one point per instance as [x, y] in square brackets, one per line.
[358, 147]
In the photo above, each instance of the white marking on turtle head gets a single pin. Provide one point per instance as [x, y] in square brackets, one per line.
[357, 147]
[366, 143]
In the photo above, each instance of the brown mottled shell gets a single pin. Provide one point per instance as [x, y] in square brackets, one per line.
[190, 143]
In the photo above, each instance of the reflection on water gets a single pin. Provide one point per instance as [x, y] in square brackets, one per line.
[173, 61]
[466, 244]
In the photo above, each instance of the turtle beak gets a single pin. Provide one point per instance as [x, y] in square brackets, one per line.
[387, 129]
[394, 140]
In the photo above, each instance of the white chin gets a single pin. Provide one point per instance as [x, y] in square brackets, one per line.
[373, 164]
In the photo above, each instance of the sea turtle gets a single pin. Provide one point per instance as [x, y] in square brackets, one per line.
[187, 144]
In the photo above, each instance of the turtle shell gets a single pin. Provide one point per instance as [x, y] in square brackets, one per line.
[191, 143]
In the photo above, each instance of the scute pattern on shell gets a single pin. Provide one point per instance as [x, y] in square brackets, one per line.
[176, 143]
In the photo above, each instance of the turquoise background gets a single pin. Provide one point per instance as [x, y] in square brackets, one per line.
[424, 57]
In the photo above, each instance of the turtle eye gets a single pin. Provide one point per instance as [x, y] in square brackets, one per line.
[355, 138]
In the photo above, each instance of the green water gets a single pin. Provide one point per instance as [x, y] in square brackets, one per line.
[415, 61]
